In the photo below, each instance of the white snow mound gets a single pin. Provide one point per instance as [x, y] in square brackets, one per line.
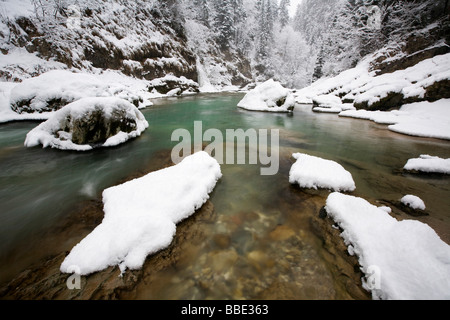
[140, 215]
[402, 260]
[413, 201]
[314, 172]
[107, 113]
[269, 96]
[430, 164]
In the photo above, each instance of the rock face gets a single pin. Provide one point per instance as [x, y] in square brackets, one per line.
[89, 123]
[139, 39]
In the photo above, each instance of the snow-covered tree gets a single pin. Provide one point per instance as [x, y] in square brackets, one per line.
[283, 12]
[291, 58]
[224, 22]
[202, 11]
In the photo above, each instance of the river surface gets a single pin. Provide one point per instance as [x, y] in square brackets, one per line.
[260, 238]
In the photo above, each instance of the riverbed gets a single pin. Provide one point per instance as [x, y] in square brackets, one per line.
[258, 238]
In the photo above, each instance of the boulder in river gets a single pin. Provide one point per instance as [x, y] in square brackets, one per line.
[88, 123]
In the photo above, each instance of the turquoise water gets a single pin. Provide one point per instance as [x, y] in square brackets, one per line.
[39, 187]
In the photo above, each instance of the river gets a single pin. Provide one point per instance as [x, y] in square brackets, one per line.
[259, 240]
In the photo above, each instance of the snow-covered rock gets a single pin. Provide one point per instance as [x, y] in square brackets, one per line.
[172, 85]
[269, 96]
[414, 202]
[141, 215]
[365, 89]
[329, 103]
[427, 163]
[55, 89]
[88, 123]
[402, 260]
[314, 172]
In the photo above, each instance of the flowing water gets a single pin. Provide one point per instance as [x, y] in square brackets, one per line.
[259, 241]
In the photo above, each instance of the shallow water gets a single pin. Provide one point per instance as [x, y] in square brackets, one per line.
[259, 241]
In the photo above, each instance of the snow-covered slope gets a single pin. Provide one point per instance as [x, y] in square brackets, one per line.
[416, 98]
[137, 38]
[365, 89]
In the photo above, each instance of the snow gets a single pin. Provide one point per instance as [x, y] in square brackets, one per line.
[16, 8]
[423, 119]
[141, 215]
[56, 84]
[327, 100]
[381, 117]
[6, 113]
[314, 172]
[413, 263]
[413, 202]
[427, 163]
[67, 86]
[269, 96]
[20, 64]
[205, 85]
[52, 133]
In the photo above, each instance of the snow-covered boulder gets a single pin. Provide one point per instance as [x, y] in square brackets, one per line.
[414, 202]
[269, 96]
[88, 123]
[54, 89]
[401, 259]
[141, 215]
[173, 86]
[329, 103]
[314, 172]
[429, 164]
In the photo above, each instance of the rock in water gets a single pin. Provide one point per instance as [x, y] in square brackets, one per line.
[268, 96]
[88, 123]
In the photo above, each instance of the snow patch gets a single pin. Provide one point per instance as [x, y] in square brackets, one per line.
[424, 119]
